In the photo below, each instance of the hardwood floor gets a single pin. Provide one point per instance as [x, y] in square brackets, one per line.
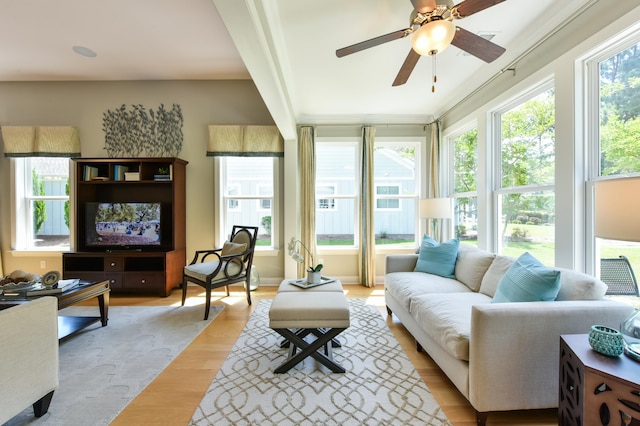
[174, 395]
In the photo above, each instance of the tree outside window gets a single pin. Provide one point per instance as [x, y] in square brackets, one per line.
[526, 197]
[465, 186]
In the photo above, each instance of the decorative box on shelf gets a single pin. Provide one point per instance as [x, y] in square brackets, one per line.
[132, 176]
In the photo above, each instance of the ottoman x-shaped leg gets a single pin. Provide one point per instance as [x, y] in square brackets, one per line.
[324, 337]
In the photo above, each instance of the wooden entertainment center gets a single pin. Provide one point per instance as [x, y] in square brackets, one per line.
[144, 266]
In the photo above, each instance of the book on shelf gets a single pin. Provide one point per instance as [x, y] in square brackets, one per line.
[162, 177]
[90, 172]
[119, 171]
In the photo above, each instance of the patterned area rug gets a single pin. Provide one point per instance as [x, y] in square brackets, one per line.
[102, 369]
[380, 387]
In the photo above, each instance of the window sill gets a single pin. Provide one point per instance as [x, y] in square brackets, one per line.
[51, 251]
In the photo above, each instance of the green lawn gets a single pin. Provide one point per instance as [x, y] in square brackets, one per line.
[541, 245]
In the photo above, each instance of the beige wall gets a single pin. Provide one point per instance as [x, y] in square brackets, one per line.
[82, 104]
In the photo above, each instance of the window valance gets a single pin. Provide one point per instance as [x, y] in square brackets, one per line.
[40, 141]
[245, 141]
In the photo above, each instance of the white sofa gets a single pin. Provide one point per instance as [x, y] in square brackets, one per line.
[500, 356]
[28, 357]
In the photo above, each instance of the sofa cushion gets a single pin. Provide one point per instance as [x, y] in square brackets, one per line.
[437, 258]
[446, 318]
[494, 274]
[471, 265]
[575, 285]
[528, 280]
[405, 285]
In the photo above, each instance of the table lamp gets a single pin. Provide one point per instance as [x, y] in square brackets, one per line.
[436, 209]
[617, 202]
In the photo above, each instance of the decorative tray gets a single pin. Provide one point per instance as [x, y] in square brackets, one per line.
[20, 287]
[303, 283]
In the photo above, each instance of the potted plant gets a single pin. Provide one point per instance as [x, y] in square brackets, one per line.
[314, 275]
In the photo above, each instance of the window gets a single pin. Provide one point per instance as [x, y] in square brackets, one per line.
[383, 201]
[397, 190]
[613, 74]
[526, 191]
[326, 191]
[248, 194]
[464, 147]
[41, 203]
[337, 168]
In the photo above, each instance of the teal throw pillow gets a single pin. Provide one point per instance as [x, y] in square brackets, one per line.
[528, 280]
[438, 258]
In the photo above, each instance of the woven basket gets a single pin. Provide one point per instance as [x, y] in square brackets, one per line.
[606, 340]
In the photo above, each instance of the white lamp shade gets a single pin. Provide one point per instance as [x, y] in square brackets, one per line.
[436, 208]
[617, 204]
[433, 37]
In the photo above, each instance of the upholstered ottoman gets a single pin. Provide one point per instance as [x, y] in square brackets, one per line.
[320, 314]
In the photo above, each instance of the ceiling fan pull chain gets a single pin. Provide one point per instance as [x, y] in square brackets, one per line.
[433, 74]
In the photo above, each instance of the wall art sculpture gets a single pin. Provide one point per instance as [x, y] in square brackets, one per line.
[136, 132]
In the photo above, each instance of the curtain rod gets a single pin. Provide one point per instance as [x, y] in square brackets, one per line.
[512, 64]
[366, 124]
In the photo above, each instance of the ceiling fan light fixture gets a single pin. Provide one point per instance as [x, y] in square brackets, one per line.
[433, 37]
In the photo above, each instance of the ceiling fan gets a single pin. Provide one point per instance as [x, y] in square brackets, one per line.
[433, 31]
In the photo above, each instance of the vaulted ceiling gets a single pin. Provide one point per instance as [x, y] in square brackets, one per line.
[287, 47]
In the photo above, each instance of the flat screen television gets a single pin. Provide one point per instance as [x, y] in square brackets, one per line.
[123, 226]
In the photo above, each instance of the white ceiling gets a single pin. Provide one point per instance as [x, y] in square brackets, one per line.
[286, 46]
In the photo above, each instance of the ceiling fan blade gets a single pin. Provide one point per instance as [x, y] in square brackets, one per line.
[423, 6]
[372, 42]
[469, 7]
[406, 69]
[477, 46]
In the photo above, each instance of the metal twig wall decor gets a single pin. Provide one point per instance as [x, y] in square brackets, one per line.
[137, 132]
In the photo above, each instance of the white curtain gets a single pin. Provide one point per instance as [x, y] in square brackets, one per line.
[367, 252]
[307, 179]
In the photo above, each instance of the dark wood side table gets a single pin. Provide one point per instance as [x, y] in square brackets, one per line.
[596, 389]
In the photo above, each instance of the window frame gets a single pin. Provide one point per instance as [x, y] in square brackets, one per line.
[498, 190]
[220, 214]
[450, 143]
[590, 65]
[21, 171]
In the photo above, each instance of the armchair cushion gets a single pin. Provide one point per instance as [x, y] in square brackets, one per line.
[233, 248]
[201, 270]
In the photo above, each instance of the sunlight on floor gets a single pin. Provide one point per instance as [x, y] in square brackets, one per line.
[199, 299]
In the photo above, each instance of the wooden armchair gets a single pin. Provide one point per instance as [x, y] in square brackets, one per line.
[223, 266]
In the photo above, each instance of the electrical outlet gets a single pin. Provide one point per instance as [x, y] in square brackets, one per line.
[43, 264]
